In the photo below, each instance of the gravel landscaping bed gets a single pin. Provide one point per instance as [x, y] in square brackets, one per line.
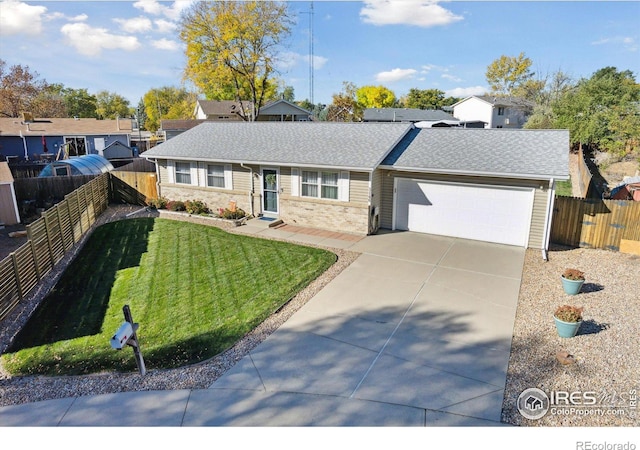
[606, 350]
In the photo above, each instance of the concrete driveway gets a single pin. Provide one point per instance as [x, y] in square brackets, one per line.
[418, 329]
[416, 332]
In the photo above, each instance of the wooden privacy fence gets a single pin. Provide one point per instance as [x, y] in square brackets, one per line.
[595, 223]
[135, 188]
[49, 239]
[42, 189]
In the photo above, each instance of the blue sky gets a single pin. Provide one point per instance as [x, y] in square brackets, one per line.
[129, 47]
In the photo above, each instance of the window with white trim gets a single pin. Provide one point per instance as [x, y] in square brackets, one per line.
[319, 184]
[183, 173]
[215, 176]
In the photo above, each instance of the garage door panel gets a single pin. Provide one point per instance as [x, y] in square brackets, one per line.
[487, 213]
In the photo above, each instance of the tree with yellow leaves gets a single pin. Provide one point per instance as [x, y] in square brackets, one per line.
[231, 50]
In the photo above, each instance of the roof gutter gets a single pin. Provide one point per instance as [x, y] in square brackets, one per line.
[523, 176]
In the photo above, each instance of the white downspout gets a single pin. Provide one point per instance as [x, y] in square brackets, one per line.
[24, 143]
[251, 189]
[551, 197]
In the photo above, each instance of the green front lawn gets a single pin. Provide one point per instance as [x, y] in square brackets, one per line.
[194, 290]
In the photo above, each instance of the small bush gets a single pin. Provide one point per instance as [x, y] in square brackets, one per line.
[232, 215]
[158, 203]
[176, 205]
[196, 207]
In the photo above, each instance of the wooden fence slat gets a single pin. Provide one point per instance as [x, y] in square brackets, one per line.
[49, 239]
[595, 223]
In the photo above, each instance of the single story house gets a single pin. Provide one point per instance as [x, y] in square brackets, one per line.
[233, 111]
[408, 115]
[495, 112]
[49, 139]
[490, 185]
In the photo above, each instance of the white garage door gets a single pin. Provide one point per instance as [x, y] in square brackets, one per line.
[486, 213]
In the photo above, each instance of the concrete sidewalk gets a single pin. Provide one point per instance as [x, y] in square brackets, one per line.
[416, 332]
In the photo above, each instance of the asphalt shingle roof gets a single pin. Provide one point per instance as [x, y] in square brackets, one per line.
[489, 152]
[324, 144]
[405, 114]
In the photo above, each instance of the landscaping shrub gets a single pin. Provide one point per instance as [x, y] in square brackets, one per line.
[158, 203]
[196, 207]
[176, 205]
[228, 214]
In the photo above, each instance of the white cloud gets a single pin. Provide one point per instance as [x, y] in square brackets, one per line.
[135, 25]
[166, 44]
[157, 8]
[91, 41]
[627, 42]
[165, 26]
[395, 75]
[318, 61]
[289, 60]
[466, 92]
[21, 18]
[59, 15]
[451, 77]
[421, 13]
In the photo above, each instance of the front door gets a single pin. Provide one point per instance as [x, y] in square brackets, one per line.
[270, 191]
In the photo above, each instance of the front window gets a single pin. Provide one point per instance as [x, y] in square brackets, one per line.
[215, 176]
[309, 184]
[183, 173]
[501, 111]
[320, 184]
[330, 185]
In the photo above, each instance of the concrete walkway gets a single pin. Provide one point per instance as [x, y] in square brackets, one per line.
[416, 332]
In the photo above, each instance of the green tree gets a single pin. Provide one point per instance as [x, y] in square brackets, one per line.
[507, 74]
[80, 103]
[552, 89]
[424, 98]
[375, 97]
[167, 103]
[602, 111]
[110, 105]
[232, 47]
[286, 93]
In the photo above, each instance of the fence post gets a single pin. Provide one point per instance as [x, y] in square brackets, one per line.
[14, 260]
[32, 245]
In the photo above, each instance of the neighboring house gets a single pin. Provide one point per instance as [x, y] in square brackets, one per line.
[283, 111]
[231, 111]
[495, 112]
[9, 213]
[434, 117]
[488, 185]
[52, 138]
[222, 110]
[170, 128]
[629, 189]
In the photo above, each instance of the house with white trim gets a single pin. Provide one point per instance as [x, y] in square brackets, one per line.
[488, 185]
[495, 112]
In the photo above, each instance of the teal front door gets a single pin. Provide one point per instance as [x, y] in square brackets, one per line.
[270, 191]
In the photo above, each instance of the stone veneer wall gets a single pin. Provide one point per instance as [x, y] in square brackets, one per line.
[347, 217]
[213, 199]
